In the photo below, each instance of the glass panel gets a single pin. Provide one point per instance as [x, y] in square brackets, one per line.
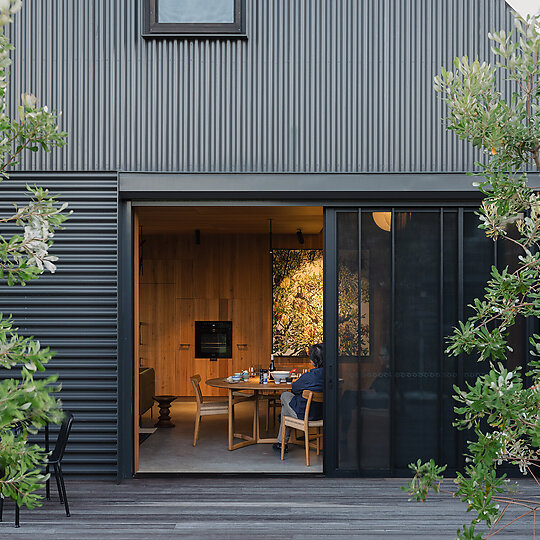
[507, 255]
[478, 254]
[196, 11]
[375, 325]
[449, 376]
[348, 301]
[417, 337]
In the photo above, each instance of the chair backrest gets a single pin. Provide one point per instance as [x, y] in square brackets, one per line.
[195, 380]
[311, 396]
[63, 435]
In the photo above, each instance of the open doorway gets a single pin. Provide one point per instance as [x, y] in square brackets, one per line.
[256, 273]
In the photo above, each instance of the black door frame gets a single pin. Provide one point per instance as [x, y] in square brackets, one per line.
[331, 191]
[331, 425]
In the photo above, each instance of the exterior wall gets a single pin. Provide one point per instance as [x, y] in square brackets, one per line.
[318, 86]
[336, 86]
[74, 312]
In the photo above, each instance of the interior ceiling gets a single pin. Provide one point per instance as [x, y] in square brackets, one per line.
[230, 219]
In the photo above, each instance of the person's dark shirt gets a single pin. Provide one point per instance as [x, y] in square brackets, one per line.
[312, 380]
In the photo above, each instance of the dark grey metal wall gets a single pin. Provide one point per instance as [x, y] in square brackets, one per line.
[75, 312]
[318, 86]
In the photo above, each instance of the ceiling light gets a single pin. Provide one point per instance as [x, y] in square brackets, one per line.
[383, 220]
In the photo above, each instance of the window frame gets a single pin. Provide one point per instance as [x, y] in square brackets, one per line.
[153, 28]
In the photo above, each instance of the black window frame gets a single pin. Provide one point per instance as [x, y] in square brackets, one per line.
[153, 28]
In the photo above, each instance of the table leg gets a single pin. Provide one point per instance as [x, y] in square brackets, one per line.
[231, 419]
[257, 411]
[255, 415]
[260, 439]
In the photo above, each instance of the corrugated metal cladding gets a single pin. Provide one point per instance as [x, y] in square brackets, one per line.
[75, 313]
[318, 86]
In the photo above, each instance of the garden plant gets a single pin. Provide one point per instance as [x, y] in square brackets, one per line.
[495, 107]
[26, 399]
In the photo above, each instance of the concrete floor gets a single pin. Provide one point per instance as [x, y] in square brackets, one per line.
[172, 451]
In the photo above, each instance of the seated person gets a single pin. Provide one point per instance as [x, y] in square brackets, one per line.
[293, 404]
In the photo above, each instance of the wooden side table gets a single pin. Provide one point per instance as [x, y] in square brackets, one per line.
[164, 419]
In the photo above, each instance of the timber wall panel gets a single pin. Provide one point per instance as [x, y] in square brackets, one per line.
[74, 312]
[226, 277]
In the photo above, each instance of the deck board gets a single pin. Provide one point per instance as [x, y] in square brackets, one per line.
[248, 507]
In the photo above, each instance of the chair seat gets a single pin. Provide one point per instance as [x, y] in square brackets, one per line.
[299, 424]
[215, 407]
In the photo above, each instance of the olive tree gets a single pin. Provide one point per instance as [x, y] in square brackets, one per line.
[495, 107]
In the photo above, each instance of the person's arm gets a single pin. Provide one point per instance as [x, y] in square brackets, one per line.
[300, 384]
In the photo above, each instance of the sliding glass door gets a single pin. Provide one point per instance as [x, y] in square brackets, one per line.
[397, 281]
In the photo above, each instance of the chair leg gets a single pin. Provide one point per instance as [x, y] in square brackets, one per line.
[283, 430]
[17, 516]
[1, 506]
[293, 439]
[318, 441]
[48, 485]
[196, 432]
[57, 476]
[63, 486]
[306, 439]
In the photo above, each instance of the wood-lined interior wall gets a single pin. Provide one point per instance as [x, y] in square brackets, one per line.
[225, 277]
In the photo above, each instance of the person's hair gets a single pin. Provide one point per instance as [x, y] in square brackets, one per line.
[316, 355]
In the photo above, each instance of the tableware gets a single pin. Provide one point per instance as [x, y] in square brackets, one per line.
[279, 375]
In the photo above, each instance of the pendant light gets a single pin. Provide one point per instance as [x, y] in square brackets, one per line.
[383, 220]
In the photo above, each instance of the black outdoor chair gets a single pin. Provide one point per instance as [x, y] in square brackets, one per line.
[56, 462]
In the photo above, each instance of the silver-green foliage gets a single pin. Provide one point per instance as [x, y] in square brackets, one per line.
[496, 108]
[26, 401]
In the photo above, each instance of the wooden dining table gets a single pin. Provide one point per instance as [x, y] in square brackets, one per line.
[257, 388]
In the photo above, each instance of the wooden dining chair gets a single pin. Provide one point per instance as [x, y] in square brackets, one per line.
[304, 425]
[205, 409]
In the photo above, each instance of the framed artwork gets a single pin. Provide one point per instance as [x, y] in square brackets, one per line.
[297, 307]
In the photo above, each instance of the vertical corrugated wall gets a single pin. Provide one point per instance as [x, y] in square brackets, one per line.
[318, 86]
[75, 312]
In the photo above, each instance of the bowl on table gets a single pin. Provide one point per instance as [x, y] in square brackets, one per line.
[279, 375]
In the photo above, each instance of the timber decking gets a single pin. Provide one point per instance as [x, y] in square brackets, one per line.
[247, 507]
